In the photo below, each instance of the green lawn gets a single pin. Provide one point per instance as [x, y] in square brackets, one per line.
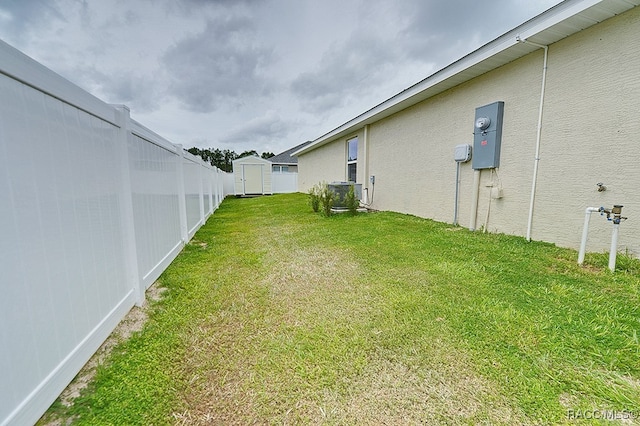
[277, 315]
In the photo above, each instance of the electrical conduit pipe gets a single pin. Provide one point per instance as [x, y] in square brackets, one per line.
[539, 132]
[455, 208]
[365, 149]
[585, 232]
[474, 199]
[613, 251]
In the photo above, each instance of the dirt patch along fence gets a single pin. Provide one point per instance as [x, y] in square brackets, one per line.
[93, 207]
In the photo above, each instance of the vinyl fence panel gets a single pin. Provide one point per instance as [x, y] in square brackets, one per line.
[156, 205]
[193, 192]
[64, 274]
[283, 182]
[93, 207]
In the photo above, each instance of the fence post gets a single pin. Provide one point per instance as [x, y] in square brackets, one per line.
[216, 186]
[126, 205]
[220, 183]
[210, 175]
[182, 201]
[221, 193]
[201, 167]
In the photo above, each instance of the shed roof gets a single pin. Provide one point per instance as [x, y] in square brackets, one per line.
[250, 159]
[561, 21]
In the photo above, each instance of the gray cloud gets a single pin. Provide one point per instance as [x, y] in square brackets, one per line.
[219, 65]
[426, 35]
[222, 2]
[266, 128]
[22, 15]
[357, 65]
[195, 8]
[310, 65]
[441, 30]
[142, 93]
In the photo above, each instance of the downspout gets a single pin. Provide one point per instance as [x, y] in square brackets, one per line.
[538, 134]
[365, 154]
[474, 199]
[455, 207]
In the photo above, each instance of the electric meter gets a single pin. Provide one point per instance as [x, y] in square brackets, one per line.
[483, 122]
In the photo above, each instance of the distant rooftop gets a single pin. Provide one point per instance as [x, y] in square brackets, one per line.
[285, 157]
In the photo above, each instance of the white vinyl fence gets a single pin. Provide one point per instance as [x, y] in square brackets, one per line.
[284, 182]
[93, 207]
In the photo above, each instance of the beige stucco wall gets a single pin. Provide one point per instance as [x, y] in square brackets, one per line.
[328, 164]
[411, 153]
[591, 130]
[591, 133]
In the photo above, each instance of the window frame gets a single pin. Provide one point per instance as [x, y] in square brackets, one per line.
[352, 162]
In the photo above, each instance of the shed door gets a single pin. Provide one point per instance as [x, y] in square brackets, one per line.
[252, 178]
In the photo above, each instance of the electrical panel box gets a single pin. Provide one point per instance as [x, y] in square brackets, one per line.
[487, 136]
[462, 153]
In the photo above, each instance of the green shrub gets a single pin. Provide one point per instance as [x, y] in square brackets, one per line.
[314, 197]
[351, 201]
[327, 197]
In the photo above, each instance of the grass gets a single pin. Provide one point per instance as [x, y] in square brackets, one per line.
[277, 315]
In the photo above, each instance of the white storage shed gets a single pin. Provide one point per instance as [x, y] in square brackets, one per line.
[252, 176]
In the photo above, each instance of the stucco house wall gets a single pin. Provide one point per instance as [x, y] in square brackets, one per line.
[328, 164]
[411, 153]
[589, 134]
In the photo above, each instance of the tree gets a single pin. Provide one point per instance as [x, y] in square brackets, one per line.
[229, 156]
[217, 158]
[248, 153]
[223, 159]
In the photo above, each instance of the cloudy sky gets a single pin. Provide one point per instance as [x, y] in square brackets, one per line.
[252, 74]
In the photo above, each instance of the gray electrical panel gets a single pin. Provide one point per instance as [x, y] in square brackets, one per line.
[487, 136]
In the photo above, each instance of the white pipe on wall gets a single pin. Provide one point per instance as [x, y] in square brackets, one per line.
[365, 154]
[455, 208]
[474, 199]
[613, 252]
[538, 133]
[585, 232]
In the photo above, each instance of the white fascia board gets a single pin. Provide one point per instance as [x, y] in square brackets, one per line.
[18, 66]
[508, 41]
[553, 16]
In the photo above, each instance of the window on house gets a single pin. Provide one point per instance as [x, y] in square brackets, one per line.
[281, 169]
[352, 159]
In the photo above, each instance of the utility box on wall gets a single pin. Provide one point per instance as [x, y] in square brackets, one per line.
[462, 153]
[487, 136]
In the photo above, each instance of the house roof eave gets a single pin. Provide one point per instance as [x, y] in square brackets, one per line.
[558, 22]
